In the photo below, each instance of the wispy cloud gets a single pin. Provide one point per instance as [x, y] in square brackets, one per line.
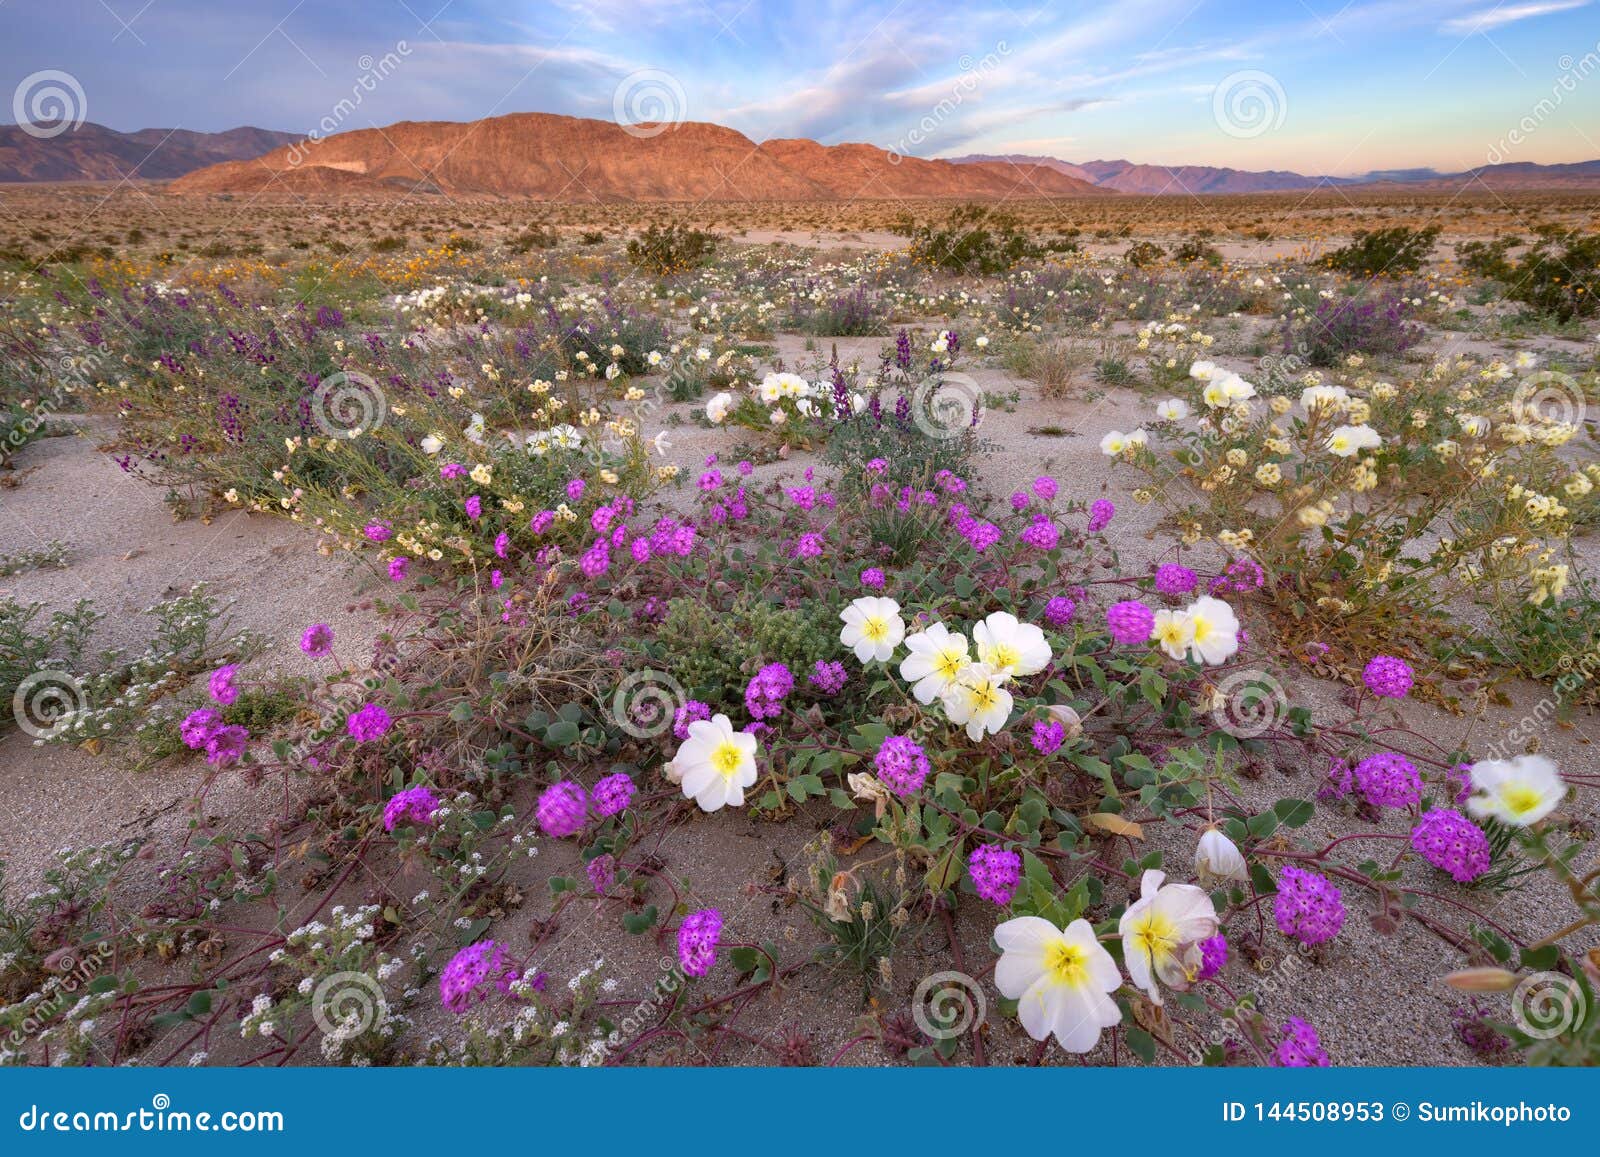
[1502, 14]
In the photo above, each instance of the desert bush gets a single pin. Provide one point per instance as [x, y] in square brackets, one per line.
[973, 240]
[1371, 324]
[1392, 251]
[671, 249]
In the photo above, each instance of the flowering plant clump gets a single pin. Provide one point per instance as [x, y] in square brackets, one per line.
[778, 717]
[1330, 488]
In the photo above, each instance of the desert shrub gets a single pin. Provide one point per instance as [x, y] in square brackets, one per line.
[1488, 259]
[1329, 504]
[1557, 276]
[973, 240]
[672, 249]
[854, 314]
[1372, 324]
[1380, 252]
[1196, 249]
[1144, 253]
[539, 236]
[1052, 364]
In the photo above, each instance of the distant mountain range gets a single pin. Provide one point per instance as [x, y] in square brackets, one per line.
[549, 157]
[93, 152]
[1156, 180]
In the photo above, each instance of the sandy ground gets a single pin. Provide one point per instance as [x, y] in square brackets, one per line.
[1375, 998]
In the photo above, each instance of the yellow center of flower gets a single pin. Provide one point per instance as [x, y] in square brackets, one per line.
[726, 758]
[981, 696]
[1171, 633]
[1202, 629]
[1066, 964]
[1155, 935]
[949, 662]
[1520, 799]
[874, 628]
[1003, 655]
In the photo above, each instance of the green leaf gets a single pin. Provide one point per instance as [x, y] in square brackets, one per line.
[637, 922]
[562, 733]
[1142, 1044]
[1294, 813]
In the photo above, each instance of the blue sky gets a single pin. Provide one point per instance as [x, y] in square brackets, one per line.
[1318, 86]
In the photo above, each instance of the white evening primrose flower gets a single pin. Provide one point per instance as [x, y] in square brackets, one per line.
[1316, 397]
[873, 628]
[1173, 632]
[715, 764]
[717, 408]
[1011, 647]
[1347, 441]
[937, 656]
[432, 444]
[978, 701]
[1203, 371]
[1215, 628]
[1525, 360]
[1519, 792]
[1161, 934]
[1115, 442]
[1217, 858]
[1172, 410]
[1061, 980]
[1473, 426]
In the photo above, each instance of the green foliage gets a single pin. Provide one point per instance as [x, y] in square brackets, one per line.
[1144, 253]
[972, 240]
[713, 653]
[675, 248]
[1397, 249]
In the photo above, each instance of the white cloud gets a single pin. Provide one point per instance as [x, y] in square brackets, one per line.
[1503, 14]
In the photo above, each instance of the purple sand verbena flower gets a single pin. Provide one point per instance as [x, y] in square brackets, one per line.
[1175, 579]
[562, 808]
[612, 794]
[1452, 843]
[1388, 677]
[1307, 907]
[1388, 779]
[697, 941]
[995, 872]
[902, 765]
[414, 805]
[1300, 1047]
[221, 685]
[368, 723]
[1130, 622]
[317, 640]
[472, 971]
